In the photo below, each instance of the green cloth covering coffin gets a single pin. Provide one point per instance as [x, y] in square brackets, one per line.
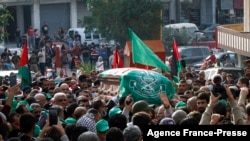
[140, 83]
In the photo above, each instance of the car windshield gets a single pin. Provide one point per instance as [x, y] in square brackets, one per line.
[211, 28]
[191, 29]
[218, 55]
[236, 73]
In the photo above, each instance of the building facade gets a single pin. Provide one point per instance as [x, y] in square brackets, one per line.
[56, 13]
[203, 12]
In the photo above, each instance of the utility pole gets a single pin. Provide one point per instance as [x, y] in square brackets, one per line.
[214, 3]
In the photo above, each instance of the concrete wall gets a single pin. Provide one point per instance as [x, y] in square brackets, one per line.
[55, 18]
[65, 13]
[246, 15]
[207, 8]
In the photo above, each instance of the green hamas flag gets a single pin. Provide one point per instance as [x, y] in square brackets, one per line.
[140, 84]
[145, 85]
[142, 54]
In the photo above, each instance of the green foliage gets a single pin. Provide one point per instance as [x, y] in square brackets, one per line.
[87, 68]
[113, 17]
[182, 38]
[5, 16]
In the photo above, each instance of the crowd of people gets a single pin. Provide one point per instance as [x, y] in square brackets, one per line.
[80, 107]
[85, 109]
[72, 49]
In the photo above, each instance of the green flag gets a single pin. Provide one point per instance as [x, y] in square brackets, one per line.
[142, 54]
[141, 84]
[145, 85]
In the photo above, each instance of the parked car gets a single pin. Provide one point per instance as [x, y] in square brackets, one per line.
[88, 37]
[5, 74]
[206, 36]
[222, 56]
[190, 27]
[12, 51]
[2, 49]
[219, 56]
[193, 54]
[236, 72]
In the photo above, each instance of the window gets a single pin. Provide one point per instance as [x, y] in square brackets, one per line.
[186, 53]
[88, 35]
[232, 57]
[71, 33]
[96, 36]
[196, 52]
[205, 51]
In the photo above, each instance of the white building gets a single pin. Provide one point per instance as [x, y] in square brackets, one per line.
[56, 13]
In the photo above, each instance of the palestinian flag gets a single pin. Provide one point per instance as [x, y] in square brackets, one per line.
[23, 71]
[176, 66]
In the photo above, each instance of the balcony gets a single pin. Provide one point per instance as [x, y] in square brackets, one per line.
[232, 37]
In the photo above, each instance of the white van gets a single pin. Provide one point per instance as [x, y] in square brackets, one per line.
[89, 37]
[190, 27]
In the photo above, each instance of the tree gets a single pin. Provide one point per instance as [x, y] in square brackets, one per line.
[181, 37]
[113, 17]
[5, 16]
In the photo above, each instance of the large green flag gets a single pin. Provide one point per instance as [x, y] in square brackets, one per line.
[141, 84]
[142, 54]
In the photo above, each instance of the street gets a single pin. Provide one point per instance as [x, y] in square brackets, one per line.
[65, 68]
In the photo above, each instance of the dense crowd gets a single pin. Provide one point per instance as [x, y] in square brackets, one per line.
[86, 109]
[80, 107]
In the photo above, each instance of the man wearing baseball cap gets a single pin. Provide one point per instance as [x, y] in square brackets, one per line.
[102, 127]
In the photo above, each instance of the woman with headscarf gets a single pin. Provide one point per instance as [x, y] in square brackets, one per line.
[99, 64]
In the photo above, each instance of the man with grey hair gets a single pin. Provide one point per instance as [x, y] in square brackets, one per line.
[132, 133]
[36, 110]
[40, 99]
[64, 88]
[178, 116]
[39, 114]
[61, 100]
[192, 104]
[88, 136]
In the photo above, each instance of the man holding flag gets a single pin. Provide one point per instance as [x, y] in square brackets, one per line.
[23, 70]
